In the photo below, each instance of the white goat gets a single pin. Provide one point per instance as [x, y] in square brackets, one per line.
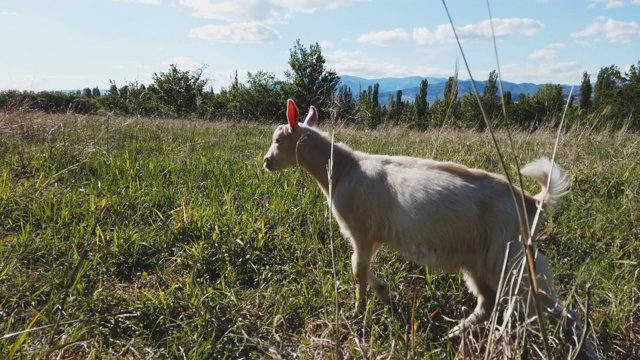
[439, 214]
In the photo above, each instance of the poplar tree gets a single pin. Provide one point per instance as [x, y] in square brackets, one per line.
[421, 105]
[585, 92]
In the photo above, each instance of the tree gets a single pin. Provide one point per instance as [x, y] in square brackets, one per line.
[395, 108]
[508, 99]
[508, 106]
[264, 96]
[86, 92]
[95, 92]
[367, 114]
[312, 83]
[585, 92]
[112, 100]
[448, 107]
[235, 97]
[346, 104]
[470, 113]
[179, 91]
[376, 95]
[524, 113]
[214, 106]
[139, 101]
[421, 105]
[490, 100]
[606, 86]
[630, 95]
[548, 102]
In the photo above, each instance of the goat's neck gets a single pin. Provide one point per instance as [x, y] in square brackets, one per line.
[314, 154]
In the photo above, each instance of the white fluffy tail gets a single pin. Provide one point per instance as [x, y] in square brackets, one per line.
[557, 187]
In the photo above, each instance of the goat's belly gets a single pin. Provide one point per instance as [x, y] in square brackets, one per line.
[418, 253]
[423, 252]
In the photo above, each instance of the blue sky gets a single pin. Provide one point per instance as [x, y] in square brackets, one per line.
[71, 44]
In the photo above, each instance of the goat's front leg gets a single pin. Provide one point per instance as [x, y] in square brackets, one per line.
[360, 264]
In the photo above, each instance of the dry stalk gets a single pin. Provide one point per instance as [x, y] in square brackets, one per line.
[525, 236]
[494, 315]
[581, 344]
[333, 257]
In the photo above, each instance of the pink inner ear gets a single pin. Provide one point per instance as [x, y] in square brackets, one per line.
[292, 114]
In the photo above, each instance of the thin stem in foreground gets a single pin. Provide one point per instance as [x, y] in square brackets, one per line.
[333, 256]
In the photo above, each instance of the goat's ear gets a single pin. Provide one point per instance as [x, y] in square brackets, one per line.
[292, 114]
[312, 117]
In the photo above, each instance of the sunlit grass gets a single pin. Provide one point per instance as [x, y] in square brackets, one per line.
[145, 238]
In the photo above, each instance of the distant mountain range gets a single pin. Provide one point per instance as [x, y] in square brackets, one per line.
[410, 86]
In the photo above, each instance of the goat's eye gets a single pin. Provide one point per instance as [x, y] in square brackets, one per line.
[277, 141]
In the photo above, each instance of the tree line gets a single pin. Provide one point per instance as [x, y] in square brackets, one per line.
[613, 102]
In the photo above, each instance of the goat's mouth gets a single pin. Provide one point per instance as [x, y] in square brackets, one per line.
[268, 165]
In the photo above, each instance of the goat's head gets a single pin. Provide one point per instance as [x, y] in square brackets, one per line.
[282, 153]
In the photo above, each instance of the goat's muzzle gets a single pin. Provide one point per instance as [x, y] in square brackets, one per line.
[267, 163]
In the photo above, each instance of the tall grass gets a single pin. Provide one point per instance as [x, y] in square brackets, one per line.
[138, 238]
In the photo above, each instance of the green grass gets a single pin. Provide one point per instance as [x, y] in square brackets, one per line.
[138, 238]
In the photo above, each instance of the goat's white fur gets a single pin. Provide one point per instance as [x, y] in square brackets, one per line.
[439, 214]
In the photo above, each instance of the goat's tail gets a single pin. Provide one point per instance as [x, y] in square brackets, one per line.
[552, 189]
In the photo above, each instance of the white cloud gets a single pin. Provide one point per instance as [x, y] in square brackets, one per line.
[550, 52]
[556, 46]
[262, 11]
[247, 20]
[609, 4]
[481, 30]
[117, 66]
[384, 38]
[235, 10]
[145, 2]
[423, 36]
[358, 63]
[8, 13]
[613, 30]
[183, 62]
[543, 54]
[559, 72]
[501, 27]
[310, 6]
[325, 44]
[236, 33]
[635, 2]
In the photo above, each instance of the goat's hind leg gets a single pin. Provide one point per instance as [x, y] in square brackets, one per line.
[568, 319]
[381, 289]
[486, 299]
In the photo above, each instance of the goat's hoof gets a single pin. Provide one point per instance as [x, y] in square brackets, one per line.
[452, 334]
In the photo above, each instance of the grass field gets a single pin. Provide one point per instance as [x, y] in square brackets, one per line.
[139, 238]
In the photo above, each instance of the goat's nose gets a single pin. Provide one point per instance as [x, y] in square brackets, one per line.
[267, 162]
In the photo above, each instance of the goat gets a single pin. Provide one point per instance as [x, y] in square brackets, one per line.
[439, 214]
